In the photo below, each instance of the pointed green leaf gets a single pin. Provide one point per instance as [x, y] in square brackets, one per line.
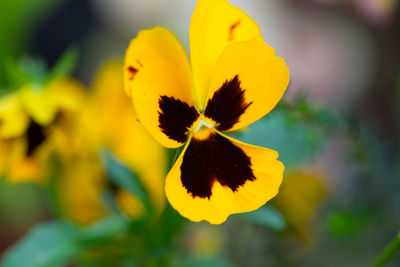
[122, 176]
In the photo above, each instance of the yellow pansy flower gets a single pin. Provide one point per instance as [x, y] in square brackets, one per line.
[25, 116]
[37, 104]
[107, 121]
[233, 79]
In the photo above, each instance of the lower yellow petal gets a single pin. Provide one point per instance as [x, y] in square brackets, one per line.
[268, 173]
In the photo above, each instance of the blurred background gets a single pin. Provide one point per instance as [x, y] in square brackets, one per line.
[336, 130]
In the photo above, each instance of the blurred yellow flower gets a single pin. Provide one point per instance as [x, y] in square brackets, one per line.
[38, 104]
[205, 240]
[298, 200]
[232, 80]
[25, 117]
[107, 120]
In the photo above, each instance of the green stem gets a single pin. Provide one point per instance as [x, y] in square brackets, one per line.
[388, 252]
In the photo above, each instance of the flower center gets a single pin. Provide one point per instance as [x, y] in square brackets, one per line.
[202, 128]
[200, 125]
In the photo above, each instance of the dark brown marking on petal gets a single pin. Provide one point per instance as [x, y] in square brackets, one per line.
[175, 118]
[214, 159]
[35, 137]
[232, 29]
[132, 71]
[227, 104]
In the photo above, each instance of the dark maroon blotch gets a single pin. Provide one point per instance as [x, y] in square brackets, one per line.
[35, 137]
[132, 71]
[227, 104]
[214, 159]
[175, 118]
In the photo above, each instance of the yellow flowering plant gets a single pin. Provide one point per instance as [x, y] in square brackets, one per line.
[106, 122]
[31, 103]
[232, 80]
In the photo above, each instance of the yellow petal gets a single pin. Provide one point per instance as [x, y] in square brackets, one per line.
[214, 25]
[38, 105]
[65, 93]
[155, 66]
[84, 205]
[43, 104]
[22, 168]
[262, 77]
[13, 119]
[156, 46]
[131, 206]
[153, 84]
[268, 173]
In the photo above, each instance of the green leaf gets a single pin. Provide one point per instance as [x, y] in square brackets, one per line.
[294, 140]
[26, 70]
[265, 216]
[66, 64]
[120, 175]
[58, 243]
[49, 244]
[105, 228]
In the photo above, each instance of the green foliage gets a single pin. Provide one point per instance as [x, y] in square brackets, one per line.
[295, 141]
[66, 64]
[266, 216]
[34, 71]
[49, 244]
[347, 223]
[202, 262]
[18, 20]
[58, 243]
[121, 176]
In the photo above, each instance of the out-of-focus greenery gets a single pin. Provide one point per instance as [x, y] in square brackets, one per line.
[17, 23]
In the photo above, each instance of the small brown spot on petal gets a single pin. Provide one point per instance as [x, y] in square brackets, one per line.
[232, 29]
[132, 71]
[139, 63]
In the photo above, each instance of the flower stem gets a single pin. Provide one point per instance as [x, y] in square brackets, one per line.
[388, 252]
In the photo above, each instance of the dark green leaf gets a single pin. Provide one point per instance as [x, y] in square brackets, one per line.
[120, 175]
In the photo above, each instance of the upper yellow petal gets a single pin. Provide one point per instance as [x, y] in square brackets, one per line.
[43, 104]
[156, 65]
[156, 46]
[214, 25]
[263, 77]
